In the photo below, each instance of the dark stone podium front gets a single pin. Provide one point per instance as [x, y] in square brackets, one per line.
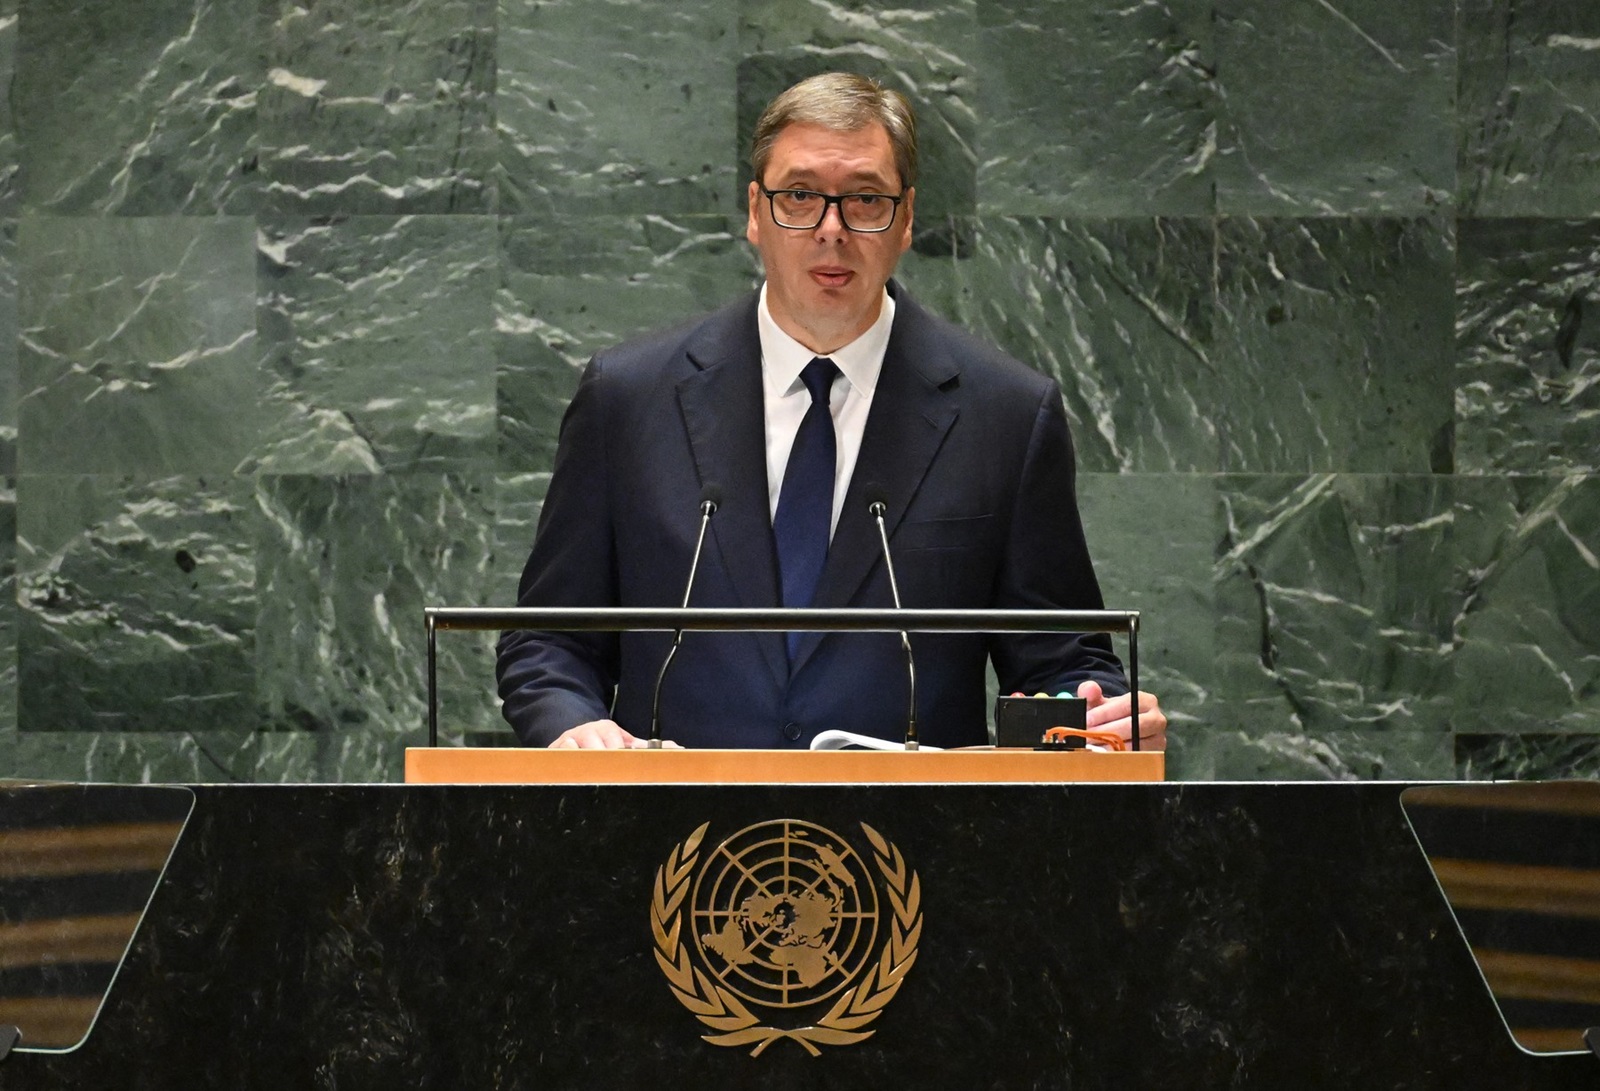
[1080, 936]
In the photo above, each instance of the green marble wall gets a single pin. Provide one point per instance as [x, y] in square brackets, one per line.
[292, 296]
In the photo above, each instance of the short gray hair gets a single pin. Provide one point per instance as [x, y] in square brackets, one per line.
[844, 103]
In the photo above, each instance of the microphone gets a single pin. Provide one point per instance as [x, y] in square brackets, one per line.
[710, 500]
[877, 509]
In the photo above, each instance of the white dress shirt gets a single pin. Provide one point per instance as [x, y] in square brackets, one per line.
[785, 398]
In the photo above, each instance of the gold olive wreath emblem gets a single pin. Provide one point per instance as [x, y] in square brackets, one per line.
[789, 920]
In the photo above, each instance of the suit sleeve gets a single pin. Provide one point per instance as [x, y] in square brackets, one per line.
[549, 681]
[1046, 566]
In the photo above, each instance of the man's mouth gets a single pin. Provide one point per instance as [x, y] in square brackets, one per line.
[831, 276]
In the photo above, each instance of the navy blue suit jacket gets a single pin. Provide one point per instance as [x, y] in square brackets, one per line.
[968, 447]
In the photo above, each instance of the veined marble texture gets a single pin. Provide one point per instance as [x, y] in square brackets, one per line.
[1336, 604]
[923, 49]
[1120, 313]
[1530, 94]
[1329, 107]
[8, 120]
[573, 286]
[1529, 625]
[1230, 753]
[8, 348]
[566, 151]
[8, 610]
[137, 109]
[1384, 613]
[184, 757]
[1096, 109]
[1528, 346]
[137, 603]
[1333, 340]
[139, 333]
[518, 500]
[346, 566]
[377, 334]
[372, 108]
[1528, 757]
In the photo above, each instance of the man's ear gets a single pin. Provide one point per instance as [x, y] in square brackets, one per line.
[752, 226]
[906, 213]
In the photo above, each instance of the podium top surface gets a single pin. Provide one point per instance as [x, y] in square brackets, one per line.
[517, 765]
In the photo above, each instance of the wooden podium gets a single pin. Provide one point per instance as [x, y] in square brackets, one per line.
[518, 765]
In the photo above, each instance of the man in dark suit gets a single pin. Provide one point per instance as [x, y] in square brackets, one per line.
[801, 406]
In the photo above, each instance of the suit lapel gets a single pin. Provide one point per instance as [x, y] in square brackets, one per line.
[721, 402]
[912, 410]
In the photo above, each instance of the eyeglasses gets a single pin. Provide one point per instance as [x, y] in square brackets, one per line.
[805, 209]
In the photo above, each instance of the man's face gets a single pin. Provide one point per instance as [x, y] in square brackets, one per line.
[825, 286]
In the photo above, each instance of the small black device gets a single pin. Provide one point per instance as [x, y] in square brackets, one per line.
[1022, 721]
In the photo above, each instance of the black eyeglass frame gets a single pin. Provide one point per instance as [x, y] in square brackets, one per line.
[830, 200]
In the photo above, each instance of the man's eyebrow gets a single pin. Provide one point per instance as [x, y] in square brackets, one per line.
[804, 179]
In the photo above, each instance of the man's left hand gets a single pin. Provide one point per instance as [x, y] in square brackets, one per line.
[1115, 714]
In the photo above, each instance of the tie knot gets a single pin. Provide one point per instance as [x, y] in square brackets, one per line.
[818, 377]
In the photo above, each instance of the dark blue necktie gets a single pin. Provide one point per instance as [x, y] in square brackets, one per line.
[805, 503]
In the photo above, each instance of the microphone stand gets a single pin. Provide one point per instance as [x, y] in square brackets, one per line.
[708, 508]
[878, 508]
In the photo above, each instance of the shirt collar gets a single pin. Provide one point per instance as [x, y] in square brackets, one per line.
[783, 358]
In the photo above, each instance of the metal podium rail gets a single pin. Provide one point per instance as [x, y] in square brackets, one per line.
[850, 619]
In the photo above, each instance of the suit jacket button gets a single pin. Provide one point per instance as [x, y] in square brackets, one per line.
[791, 731]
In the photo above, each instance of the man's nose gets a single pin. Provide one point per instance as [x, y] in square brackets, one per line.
[832, 225]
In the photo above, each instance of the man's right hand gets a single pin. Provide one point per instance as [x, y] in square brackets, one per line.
[600, 735]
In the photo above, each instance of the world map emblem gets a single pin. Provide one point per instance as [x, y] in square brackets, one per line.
[785, 931]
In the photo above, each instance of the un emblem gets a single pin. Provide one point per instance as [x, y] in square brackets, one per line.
[786, 917]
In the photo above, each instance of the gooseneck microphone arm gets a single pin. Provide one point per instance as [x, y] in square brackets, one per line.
[710, 499]
[878, 508]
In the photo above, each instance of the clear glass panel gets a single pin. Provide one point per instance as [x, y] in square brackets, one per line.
[1520, 867]
[78, 866]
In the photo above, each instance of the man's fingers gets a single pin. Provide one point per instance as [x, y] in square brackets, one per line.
[1115, 715]
[1152, 734]
[603, 735]
[595, 735]
[1108, 712]
[1091, 692]
[1113, 709]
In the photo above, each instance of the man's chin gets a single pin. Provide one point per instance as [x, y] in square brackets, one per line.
[830, 317]
[841, 303]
